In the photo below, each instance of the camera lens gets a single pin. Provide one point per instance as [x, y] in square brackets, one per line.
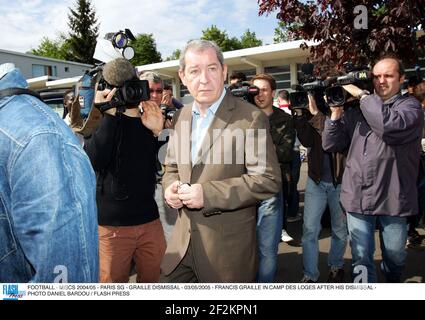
[120, 40]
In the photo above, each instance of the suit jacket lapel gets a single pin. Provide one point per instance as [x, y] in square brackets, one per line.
[220, 121]
[185, 169]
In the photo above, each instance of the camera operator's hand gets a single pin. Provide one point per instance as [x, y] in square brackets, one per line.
[312, 106]
[171, 196]
[75, 119]
[336, 112]
[168, 124]
[353, 90]
[105, 96]
[167, 99]
[152, 117]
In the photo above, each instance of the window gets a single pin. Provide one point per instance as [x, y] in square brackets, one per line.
[66, 69]
[39, 70]
[282, 75]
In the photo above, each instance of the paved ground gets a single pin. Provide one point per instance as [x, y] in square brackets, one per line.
[290, 255]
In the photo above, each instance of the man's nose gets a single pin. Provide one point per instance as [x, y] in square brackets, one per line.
[203, 78]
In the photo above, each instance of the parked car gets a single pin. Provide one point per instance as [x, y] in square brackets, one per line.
[54, 98]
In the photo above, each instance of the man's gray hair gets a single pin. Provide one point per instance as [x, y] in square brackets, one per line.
[151, 76]
[199, 46]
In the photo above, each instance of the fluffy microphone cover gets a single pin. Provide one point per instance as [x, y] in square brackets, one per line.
[117, 71]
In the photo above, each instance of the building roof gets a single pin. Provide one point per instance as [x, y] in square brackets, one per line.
[52, 82]
[32, 56]
[252, 56]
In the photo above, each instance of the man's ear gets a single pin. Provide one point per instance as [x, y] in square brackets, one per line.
[182, 77]
[225, 71]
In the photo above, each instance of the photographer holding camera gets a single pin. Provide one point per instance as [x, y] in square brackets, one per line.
[323, 187]
[379, 183]
[157, 94]
[270, 212]
[164, 101]
[123, 153]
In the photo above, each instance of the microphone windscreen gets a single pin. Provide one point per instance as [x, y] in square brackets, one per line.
[117, 71]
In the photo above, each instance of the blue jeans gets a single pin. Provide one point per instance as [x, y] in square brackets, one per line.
[316, 198]
[393, 236]
[269, 227]
[293, 201]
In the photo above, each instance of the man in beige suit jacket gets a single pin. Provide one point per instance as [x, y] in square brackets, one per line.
[220, 163]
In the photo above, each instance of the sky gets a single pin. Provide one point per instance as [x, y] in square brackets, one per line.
[172, 22]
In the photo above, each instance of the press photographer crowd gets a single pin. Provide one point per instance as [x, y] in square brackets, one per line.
[85, 194]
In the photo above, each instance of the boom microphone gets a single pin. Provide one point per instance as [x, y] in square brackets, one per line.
[118, 71]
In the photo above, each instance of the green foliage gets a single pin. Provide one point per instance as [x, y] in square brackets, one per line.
[282, 33]
[248, 39]
[145, 50]
[57, 49]
[84, 32]
[175, 55]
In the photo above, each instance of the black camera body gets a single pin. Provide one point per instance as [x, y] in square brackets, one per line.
[315, 87]
[244, 90]
[168, 111]
[131, 93]
[360, 77]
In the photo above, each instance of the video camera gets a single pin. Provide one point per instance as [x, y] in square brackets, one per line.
[331, 88]
[308, 85]
[244, 90]
[359, 76]
[129, 92]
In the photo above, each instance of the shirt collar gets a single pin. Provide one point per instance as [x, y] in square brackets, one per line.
[393, 98]
[213, 108]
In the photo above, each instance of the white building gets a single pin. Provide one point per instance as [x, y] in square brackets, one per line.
[283, 61]
[33, 66]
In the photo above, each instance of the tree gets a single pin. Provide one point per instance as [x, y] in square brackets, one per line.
[84, 32]
[145, 50]
[338, 26]
[57, 49]
[249, 40]
[175, 55]
[283, 34]
[221, 38]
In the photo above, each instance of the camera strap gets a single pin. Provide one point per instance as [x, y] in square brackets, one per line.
[16, 91]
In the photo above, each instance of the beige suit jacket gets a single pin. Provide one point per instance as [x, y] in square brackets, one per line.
[237, 167]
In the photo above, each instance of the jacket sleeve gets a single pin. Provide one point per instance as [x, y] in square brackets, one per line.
[99, 146]
[395, 125]
[262, 178]
[285, 143]
[308, 127]
[337, 135]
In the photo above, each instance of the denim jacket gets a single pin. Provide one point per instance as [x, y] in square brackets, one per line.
[48, 216]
